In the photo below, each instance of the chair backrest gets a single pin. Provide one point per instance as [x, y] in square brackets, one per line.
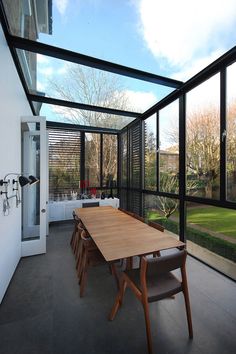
[156, 226]
[75, 217]
[164, 264]
[87, 241]
[90, 204]
[128, 212]
[138, 217]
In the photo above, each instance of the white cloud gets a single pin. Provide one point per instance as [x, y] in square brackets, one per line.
[196, 66]
[184, 30]
[141, 101]
[61, 5]
[46, 71]
[42, 59]
[62, 70]
[40, 86]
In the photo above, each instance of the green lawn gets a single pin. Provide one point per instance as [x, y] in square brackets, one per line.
[215, 219]
[211, 218]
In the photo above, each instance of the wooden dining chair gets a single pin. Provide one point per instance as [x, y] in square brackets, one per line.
[138, 217]
[153, 282]
[130, 213]
[76, 222]
[91, 256]
[156, 226]
[160, 228]
[79, 251]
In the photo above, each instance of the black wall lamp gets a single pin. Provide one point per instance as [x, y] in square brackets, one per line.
[22, 181]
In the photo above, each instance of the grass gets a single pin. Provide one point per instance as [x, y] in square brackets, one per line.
[212, 218]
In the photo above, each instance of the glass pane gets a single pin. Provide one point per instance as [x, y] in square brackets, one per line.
[211, 236]
[150, 132]
[124, 159]
[203, 139]
[169, 148]
[162, 210]
[21, 18]
[64, 164]
[64, 80]
[31, 193]
[92, 159]
[231, 134]
[81, 117]
[109, 157]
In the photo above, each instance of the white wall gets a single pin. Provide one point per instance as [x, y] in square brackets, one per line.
[13, 105]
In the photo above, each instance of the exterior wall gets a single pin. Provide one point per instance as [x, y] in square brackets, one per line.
[13, 105]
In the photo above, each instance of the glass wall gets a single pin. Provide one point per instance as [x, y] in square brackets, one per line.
[124, 159]
[211, 235]
[169, 148]
[92, 159]
[231, 133]
[162, 210]
[150, 141]
[203, 139]
[72, 173]
[64, 163]
[209, 230]
[109, 154]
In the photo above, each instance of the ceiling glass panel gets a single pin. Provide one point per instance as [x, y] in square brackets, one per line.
[153, 36]
[109, 30]
[81, 117]
[60, 79]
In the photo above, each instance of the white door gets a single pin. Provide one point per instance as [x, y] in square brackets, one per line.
[34, 197]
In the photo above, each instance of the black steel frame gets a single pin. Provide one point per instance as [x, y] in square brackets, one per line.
[218, 66]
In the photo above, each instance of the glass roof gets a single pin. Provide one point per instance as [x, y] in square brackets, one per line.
[137, 34]
[60, 79]
[69, 115]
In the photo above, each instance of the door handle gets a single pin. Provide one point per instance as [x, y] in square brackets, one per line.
[43, 210]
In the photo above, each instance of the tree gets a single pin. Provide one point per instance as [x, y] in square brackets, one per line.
[93, 87]
[170, 184]
[150, 159]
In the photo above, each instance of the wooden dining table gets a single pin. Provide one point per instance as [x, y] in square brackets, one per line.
[119, 235]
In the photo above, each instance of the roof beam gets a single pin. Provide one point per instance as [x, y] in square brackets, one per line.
[87, 107]
[85, 128]
[215, 67]
[63, 54]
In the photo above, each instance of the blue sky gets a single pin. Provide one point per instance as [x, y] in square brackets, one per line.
[170, 38]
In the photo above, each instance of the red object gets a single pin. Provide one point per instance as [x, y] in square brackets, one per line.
[84, 184]
[93, 191]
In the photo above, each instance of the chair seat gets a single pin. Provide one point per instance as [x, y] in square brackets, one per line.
[158, 288]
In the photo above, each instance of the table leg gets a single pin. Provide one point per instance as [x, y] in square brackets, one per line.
[115, 274]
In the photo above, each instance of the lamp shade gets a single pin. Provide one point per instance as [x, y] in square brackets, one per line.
[33, 179]
[23, 181]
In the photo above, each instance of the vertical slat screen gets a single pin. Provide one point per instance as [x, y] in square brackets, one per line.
[135, 156]
[64, 162]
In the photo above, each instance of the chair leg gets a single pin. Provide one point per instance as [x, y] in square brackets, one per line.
[79, 257]
[188, 312]
[148, 326]
[83, 281]
[187, 302]
[83, 277]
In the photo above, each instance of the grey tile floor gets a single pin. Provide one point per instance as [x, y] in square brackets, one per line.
[42, 312]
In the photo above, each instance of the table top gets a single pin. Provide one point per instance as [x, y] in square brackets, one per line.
[119, 235]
